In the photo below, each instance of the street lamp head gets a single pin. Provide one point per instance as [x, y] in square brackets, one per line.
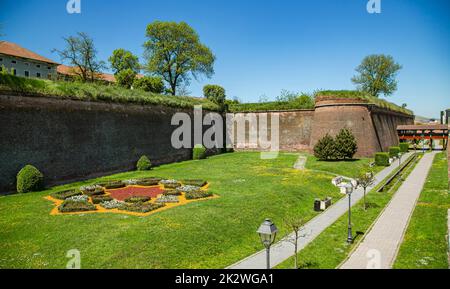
[349, 188]
[267, 232]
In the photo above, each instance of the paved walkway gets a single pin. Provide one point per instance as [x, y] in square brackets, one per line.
[283, 249]
[379, 248]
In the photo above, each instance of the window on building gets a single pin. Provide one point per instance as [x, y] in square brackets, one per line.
[13, 61]
[38, 66]
[27, 74]
[1, 59]
[49, 67]
[13, 70]
[38, 75]
[49, 76]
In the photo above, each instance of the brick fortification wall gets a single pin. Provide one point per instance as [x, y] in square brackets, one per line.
[294, 130]
[374, 128]
[73, 140]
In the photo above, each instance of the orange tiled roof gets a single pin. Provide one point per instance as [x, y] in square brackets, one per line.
[71, 71]
[12, 49]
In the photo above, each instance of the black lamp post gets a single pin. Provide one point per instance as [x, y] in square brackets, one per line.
[267, 232]
[349, 190]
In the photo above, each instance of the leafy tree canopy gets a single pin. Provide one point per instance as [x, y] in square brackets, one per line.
[122, 59]
[377, 75]
[174, 52]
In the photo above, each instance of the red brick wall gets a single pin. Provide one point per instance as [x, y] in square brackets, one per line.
[375, 128]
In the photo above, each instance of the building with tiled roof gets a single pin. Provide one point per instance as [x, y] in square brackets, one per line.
[26, 63]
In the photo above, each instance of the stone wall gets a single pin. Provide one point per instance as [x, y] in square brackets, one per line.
[294, 129]
[72, 140]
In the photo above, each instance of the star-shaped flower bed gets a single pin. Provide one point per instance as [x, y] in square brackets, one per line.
[141, 197]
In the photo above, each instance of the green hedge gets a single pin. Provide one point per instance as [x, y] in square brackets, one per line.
[394, 152]
[62, 195]
[73, 206]
[140, 207]
[138, 199]
[199, 152]
[144, 164]
[198, 195]
[101, 199]
[197, 183]
[404, 147]
[382, 159]
[29, 179]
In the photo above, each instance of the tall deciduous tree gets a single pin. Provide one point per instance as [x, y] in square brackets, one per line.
[122, 59]
[174, 52]
[377, 75]
[81, 53]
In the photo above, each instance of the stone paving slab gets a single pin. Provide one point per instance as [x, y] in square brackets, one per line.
[283, 249]
[379, 248]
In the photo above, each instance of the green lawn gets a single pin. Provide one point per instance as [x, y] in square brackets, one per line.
[425, 245]
[330, 248]
[207, 234]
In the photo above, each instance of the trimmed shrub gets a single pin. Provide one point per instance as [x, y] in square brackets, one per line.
[199, 152]
[197, 183]
[325, 148]
[172, 193]
[66, 194]
[29, 179]
[144, 164]
[172, 186]
[345, 144]
[101, 199]
[198, 195]
[404, 147]
[137, 199]
[74, 206]
[148, 182]
[112, 185]
[394, 152]
[140, 207]
[149, 84]
[382, 159]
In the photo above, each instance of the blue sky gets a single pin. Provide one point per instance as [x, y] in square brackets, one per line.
[264, 46]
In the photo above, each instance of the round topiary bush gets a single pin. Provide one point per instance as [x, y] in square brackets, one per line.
[29, 179]
[199, 152]
[144, 164]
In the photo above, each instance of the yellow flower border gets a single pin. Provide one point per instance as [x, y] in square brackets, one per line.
[99, 209]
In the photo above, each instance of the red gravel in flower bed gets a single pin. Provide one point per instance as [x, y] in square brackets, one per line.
[124, 193]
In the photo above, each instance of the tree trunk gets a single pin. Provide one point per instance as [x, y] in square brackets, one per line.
[296, 257]
[364, 199]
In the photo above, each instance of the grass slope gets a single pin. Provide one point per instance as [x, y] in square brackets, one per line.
[95, 92]
[206, 234]
[425, 245]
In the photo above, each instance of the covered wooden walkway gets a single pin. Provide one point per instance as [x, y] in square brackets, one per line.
[429, 132]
